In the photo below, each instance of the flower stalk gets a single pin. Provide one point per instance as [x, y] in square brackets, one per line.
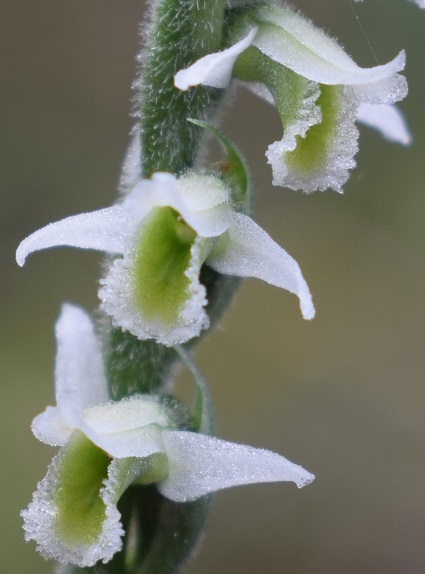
[179, 32]
[161, 540]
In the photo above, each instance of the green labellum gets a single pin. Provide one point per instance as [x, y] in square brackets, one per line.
[287, 87]
[160, 286]
[312, 151]
[289, 90]
[80, 510]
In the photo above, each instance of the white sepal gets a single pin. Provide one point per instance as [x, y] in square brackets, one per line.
[296, 43]
[202, 201]
[200, 464]
[80, 380]
[250, 252]
[213, 70]
[388, 120]
[103, 230]
[127, 428]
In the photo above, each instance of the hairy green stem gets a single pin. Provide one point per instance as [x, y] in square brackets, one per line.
[181, 32]
[161, 534]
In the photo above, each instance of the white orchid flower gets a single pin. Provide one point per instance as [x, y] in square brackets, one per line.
[164, 230]
[317, 88]
[106, 446]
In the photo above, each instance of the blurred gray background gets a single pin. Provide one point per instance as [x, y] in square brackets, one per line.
[343, 395]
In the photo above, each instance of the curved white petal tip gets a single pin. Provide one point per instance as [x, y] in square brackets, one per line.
[200, 464]
[251, 252]
[100, 230]
[388, 120]
[213, 70]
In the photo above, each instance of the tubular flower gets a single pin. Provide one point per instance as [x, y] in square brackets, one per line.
[106, 446]
[162, 233]
[316, 87]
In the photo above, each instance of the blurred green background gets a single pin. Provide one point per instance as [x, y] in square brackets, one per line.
[343, 395]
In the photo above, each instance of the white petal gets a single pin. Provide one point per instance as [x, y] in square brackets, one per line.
[202, 192]
[260, 90]
[80, 376]
[126, 415]
[40, 525]
[50, 428]
[199, 464]
[117, 301]
[250, 252]
[295, 43]
[131, 171]
[214, 69]
[386, 91]
[388, 120]
[200, 200]
[103, 230]
[206, 204]
[139, 442]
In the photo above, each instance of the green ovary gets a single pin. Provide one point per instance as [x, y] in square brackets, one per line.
[80, 510]
[159, 283]
[312, 152]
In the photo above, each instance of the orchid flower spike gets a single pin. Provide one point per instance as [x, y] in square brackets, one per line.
[162, 233]
[317, 88]
[106, 446]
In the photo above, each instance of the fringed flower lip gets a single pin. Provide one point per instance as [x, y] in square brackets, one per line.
[106, 446]
[318, 89]
[162, 233]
